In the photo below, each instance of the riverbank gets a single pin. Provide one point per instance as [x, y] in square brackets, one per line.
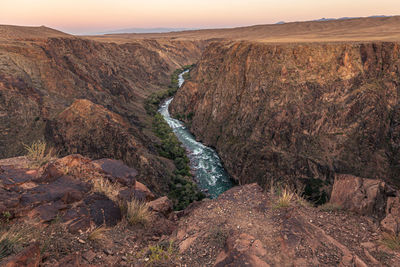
[209, 173]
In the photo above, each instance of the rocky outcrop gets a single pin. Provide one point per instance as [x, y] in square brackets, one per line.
[297, 112]
[364, 196]
[65, 189]
[30, 257]
[90, 129]
[241, 228]
[391, 223]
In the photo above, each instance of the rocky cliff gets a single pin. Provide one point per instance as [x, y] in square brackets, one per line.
[297, 112]
[43, 74]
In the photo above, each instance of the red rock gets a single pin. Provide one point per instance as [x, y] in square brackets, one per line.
[364, 196]
[141, 187]
[50, 173]
[242, 251]
[117, 169]
[162, 205]
[30, 257]
[391, 223]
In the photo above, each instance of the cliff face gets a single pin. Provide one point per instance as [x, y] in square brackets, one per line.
[297, 112]
[39, 78]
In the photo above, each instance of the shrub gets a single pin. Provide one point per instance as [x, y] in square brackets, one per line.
[98, 234]
[391, 241]
[38, 153]
[107, 188]
[330, 207]
[160, 254]
[218, 236]
[286, 197]
[137, 213]
[13, 238]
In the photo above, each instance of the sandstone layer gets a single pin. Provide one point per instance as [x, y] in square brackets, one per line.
[297, 111]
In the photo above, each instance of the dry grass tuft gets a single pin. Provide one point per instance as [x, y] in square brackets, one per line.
[13, 238]
[107, 188]
[330, 207]
[39, 154]
[285, 198]
[137, 213]
[160, 255]
[98, 234]
[391, 241]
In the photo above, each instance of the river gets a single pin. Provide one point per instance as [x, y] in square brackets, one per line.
[209, 173]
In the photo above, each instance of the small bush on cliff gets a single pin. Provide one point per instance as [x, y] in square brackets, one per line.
[160, 254]
[330, 207]
[391, 241]
[286, 197]
[14, 238]
[137, 213]
[98, 234]
[39, 153]
[107, 188]
[218, 236]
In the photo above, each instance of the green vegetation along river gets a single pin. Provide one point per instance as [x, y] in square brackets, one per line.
[210, 175]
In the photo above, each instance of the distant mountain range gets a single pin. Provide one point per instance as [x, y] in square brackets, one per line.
[343, 18]
[146, 30]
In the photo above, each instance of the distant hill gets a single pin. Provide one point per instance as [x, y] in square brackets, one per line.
[25, 32]
[376, 28]
[146, 30]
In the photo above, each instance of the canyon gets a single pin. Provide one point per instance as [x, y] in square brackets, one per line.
[309, 111]
[298, 112]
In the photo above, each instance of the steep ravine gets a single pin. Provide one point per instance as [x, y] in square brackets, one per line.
[209, 173]
[297, 112]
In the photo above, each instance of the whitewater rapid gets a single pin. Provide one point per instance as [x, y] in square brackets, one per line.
[209, 173]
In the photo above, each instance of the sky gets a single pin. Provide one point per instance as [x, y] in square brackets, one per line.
[91, 16]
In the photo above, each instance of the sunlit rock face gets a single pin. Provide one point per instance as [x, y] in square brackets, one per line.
[297, 112]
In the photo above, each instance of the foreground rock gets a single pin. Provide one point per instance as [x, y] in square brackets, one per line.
[364, 196]
[243, 227]
[66, 189]
[30, 257]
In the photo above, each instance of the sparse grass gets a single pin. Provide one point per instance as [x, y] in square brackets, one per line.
[98, 234]
[330, 207]
[218, 236]
[6, 216]
[39, 153]
[107, 188]
[160, 254]
[302, 202]
[137, 213]
[14, 238]
[391, 241]
[285, 199]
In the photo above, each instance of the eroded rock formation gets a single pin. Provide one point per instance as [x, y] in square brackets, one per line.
[297, 111]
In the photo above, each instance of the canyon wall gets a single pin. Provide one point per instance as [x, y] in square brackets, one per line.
[297, 112]
[42, 76]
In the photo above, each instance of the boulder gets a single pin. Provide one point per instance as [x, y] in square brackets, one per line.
[162, 205]
[363, 196]
[244, 250]
[117, 169]
[391, 223]
[30, 257]
[142, 188]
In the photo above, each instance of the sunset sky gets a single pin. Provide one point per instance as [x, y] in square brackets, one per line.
[90, 16]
